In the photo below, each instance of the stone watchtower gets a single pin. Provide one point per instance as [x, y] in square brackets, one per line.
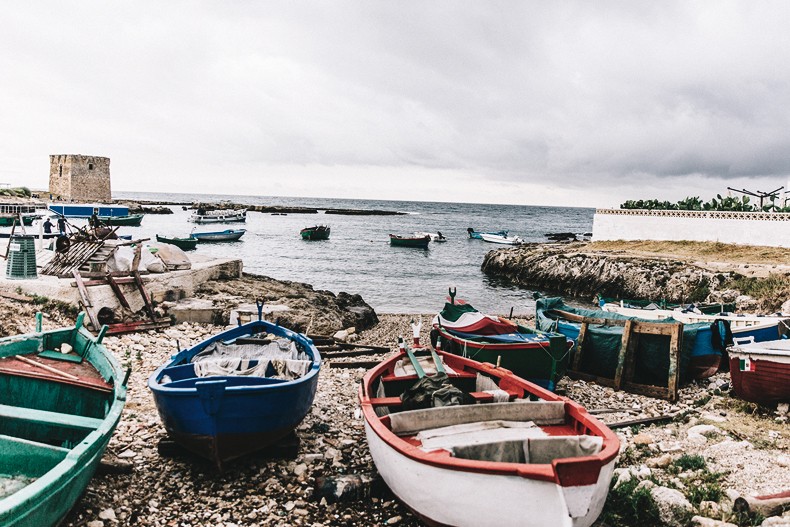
[79, 178]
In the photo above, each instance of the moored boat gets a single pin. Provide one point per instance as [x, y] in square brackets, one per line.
[86, 210]
[317, 232]
[760, 371]
[437, 236]
[501, 239]
[219, 216]
[130, 220]
[513, 462]
[58, 410]
[185, 244]
[539, 357]
[7, 220]
[238, 391]
[419, 242]
[705, 308]
[11, 213]
[761, 327]
[700, 354]
[228, 235]
[478, 235]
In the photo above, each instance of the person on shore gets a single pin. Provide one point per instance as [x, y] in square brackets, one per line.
[62, 225]
[48, 226]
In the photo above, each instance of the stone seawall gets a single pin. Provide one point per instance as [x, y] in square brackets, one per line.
[574, 269]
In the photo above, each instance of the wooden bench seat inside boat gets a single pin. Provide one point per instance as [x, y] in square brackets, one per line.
[540, 412]
[50, 418]
[29, 458]
[479, 397]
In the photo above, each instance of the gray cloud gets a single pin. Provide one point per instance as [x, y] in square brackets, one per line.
[582, 95]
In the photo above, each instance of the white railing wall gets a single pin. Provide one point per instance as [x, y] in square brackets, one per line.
[744, 228]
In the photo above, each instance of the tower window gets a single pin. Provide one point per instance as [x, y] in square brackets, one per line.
[90, 166]
[60, 170]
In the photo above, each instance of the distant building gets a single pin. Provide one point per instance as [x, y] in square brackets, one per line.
[79, 178]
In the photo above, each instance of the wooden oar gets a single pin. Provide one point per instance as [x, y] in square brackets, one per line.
[48, 368]
[436, 359]
[414, 362]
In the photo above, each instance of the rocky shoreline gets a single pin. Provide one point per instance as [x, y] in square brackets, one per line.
[685, 468]
[585, 270]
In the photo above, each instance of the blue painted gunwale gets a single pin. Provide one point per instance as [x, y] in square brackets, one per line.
[247, 412]
[82, 210]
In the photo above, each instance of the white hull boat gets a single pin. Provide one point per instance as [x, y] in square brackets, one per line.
[762, 328]
[514, 462]
[498, 238]
[435, 236]
[219, 216]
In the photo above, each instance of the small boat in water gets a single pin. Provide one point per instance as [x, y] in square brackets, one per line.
[237, 392]
[419, 242]
[437, 236]
[228, 235]
[317, 232]
[498, 238]
[219, 216]
[185, 244]
[61, 399]
[511, 454]
[478, 235]
[131, 220]
[536, 356]
[760, 371]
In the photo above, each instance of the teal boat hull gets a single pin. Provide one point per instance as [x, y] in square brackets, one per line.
[54, 430]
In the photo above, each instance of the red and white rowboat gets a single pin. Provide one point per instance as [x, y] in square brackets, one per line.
[760, 371]
[516, 462]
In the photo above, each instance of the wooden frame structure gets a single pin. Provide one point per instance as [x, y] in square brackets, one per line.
[626, 361]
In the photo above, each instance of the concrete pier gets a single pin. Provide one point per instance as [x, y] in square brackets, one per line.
[171, 286]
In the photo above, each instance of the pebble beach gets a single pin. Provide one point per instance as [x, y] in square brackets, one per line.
[748, 448]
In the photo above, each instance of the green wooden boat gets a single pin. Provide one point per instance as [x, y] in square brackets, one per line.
[319, 232]
[131, 220]
[419, 242]
[57, 414]
[8, 220]
[537, 356]
[185, 244]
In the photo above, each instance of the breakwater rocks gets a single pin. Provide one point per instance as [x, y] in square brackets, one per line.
[579, 269]
[277, 209]
[316, 311]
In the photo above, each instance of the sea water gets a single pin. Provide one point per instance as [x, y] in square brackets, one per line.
[358, 257]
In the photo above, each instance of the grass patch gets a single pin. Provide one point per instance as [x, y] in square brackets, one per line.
[700, 250]
[773, 286]
[689, 462]
[627, 505]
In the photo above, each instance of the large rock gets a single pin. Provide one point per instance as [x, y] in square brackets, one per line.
[320, 312]
[673, 507]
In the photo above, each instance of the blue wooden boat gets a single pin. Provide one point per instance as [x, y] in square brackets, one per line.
[228, 235]
[86, 210]
[222, 408]
[700, 354]
[478, 235]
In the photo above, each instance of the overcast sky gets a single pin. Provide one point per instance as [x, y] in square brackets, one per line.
[577, 103]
